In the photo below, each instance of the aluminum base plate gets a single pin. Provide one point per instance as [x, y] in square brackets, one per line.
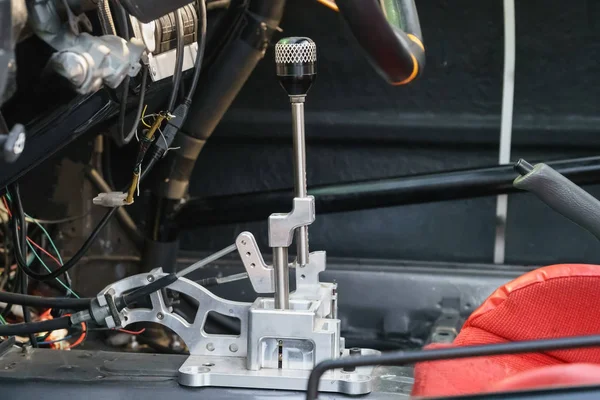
[201, 371]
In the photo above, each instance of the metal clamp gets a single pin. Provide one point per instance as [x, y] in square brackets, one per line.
[282, 226]
[261, 275]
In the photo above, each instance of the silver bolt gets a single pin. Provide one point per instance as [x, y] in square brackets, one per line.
[72, 66]
[160, 316]
[153, 70]
[210, 347]
[150, 278]
[233, 348]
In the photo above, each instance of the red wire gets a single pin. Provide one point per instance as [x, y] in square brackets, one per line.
[81, 338]
[31, 240]
[44, 251]
[132, 332]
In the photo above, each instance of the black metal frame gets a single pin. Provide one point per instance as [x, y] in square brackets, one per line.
[374, 193]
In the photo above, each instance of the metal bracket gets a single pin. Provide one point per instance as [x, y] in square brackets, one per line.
[192, 333]
[282, 226]
[261, 275]
[307, 276]
[77, 21]
[275, 349]
[232, 372]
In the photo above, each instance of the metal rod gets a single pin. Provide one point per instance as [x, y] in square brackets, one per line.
[397, 358]
[376, 193]
[282, 284]
[207, 260]
[300, 172]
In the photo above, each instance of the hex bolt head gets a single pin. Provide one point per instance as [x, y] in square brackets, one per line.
[354, 351]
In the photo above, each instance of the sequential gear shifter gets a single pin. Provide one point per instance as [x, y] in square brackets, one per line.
[295, 60]
[281, 339]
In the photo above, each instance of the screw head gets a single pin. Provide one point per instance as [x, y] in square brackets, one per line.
[150, 278]
[210, 347]
[160, 316]
[233, 348]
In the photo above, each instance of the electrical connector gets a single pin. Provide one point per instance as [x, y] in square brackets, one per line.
[111, 199]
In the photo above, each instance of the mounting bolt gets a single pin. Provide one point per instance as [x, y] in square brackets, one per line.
[354, 351]
[160, 316]
[210, 347]
[150, 278]
[233, 348]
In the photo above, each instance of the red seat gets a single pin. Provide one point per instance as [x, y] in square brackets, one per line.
[550, 302]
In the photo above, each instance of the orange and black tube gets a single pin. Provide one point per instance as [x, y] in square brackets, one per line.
[395, 49]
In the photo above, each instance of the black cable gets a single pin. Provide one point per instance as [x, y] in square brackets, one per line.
[126, 138]
[410, 357]
[202, 21]
[178, 72]
[73, 260]
[128, 299]
[45, 302]
[107, 163]
[124, 31]
[26, 312]
[78, 255]
[123, 109]
[35, 327]
[181, 112]
[20, 238]
[16, 283]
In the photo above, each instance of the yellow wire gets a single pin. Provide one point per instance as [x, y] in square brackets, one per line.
[144, 116]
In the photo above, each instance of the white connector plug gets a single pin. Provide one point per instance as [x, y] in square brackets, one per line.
[111, 199]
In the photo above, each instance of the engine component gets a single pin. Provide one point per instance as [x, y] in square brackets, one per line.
[149, 10]
[160, 38]
[86, 61]
[13, 16]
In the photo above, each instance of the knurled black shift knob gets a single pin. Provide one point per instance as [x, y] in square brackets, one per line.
[296, 61]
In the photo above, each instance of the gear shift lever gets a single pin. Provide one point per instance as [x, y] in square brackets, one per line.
[296, 62]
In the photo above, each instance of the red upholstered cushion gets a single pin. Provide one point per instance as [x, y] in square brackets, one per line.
[554, 301]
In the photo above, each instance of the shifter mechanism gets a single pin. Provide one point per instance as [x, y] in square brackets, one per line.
[296, 62]
[281, 339]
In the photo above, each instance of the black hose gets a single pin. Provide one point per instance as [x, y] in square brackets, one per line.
[398, 55]
[398, 358]
[45, 302]
[35, 327]
[178, 72]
